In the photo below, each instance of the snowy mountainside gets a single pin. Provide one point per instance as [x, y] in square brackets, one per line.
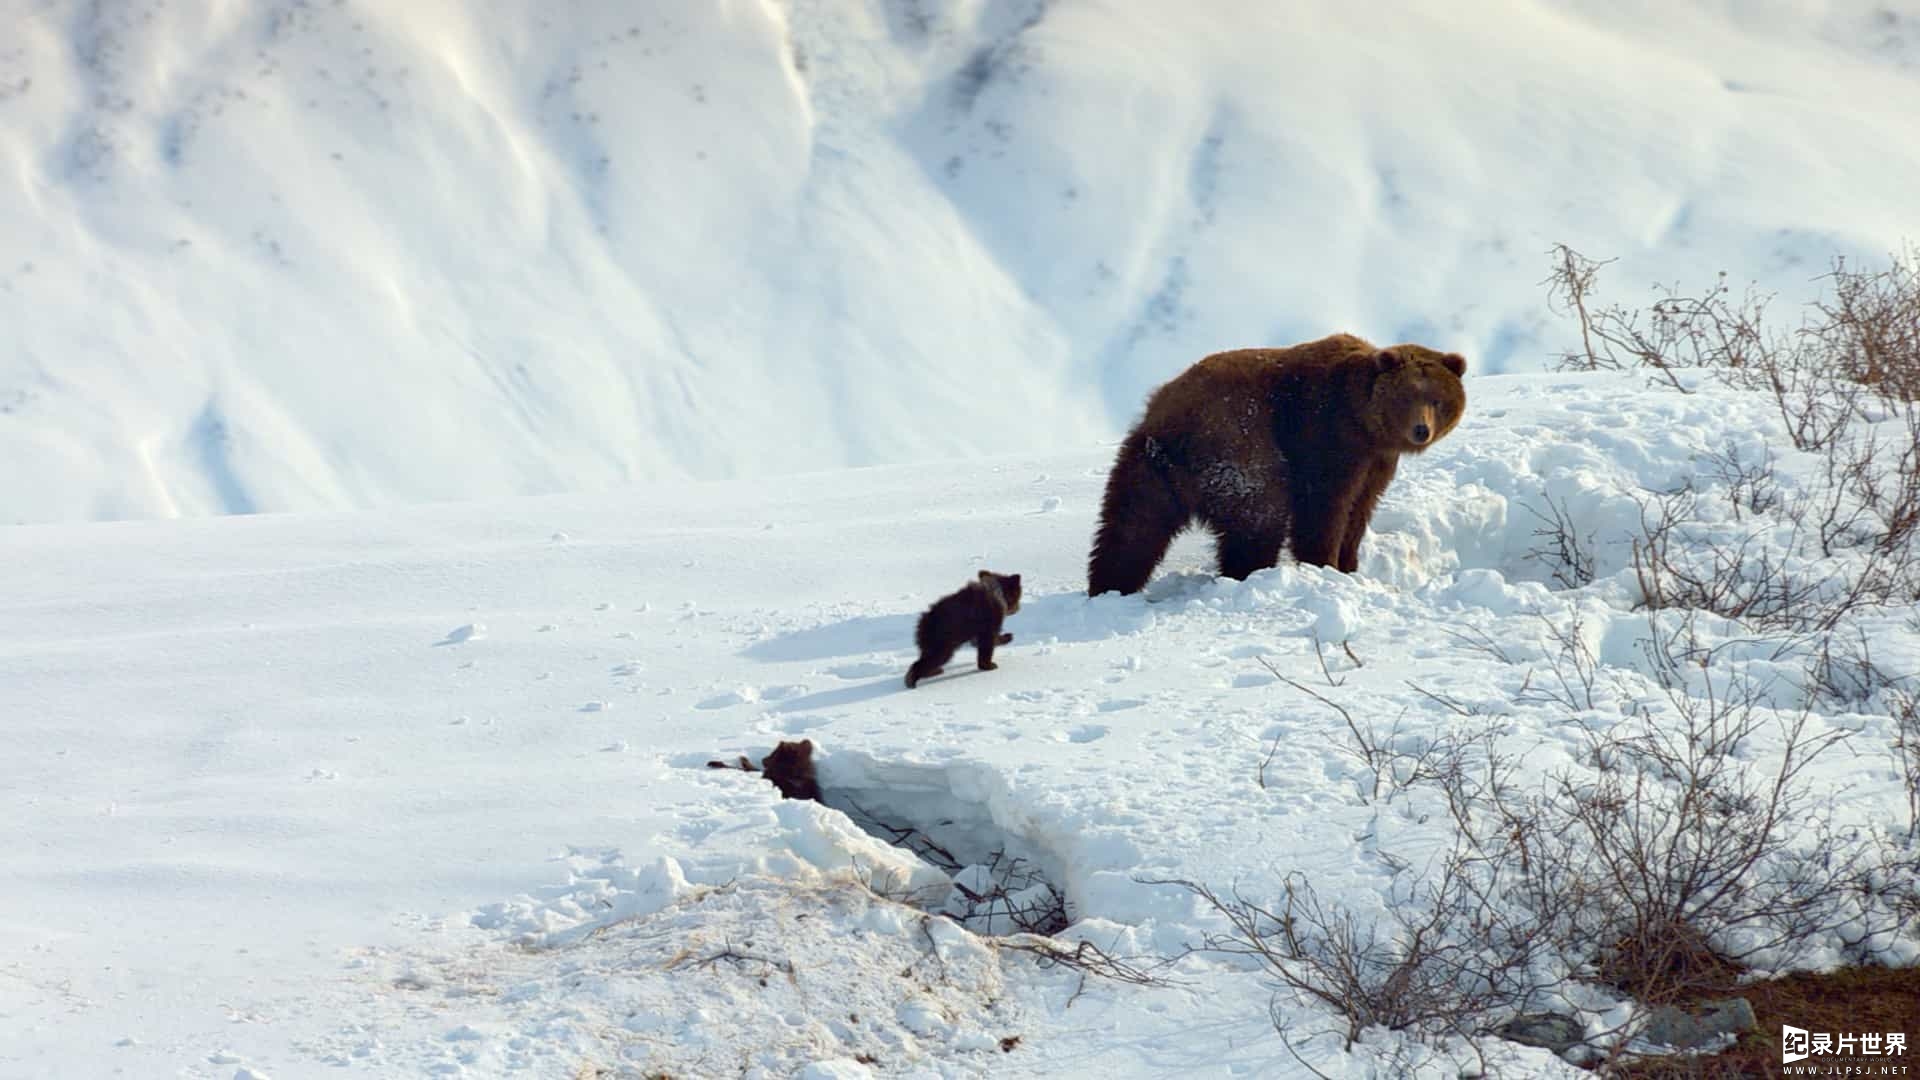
[424, 791]
[304, 255]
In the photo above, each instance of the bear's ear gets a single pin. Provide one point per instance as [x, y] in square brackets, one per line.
[806, 746]
[1386, 360]
[1014, 579]
[1455, 363]
[985, 577]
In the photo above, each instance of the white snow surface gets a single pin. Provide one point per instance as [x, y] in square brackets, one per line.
[333, 254]
[424, 791]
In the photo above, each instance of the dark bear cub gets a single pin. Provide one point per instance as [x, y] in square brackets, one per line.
[971, 615]
[790, 767]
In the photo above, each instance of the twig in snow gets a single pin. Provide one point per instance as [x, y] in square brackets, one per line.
[1320, 654]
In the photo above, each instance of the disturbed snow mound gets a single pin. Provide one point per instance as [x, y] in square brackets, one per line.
[758, 973]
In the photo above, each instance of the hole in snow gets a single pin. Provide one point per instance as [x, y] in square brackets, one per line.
[991, 880]
[945, 851]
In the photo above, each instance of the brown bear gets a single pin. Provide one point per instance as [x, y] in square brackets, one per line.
[1264, 446]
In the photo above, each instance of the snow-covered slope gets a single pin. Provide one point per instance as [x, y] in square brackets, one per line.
[423, 792]
[309, 255]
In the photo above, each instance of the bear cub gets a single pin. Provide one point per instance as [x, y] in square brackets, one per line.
[789, 767]
[972, 615]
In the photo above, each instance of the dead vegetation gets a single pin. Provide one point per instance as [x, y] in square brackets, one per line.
[1686, 844]
[1844, 381]
[1442, 961]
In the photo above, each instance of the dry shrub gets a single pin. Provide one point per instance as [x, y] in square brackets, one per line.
[1446, 959]
[1858, 344]
[1688, 843]
[1845, 382]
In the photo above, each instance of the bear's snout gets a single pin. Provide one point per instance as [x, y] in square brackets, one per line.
[1421, 433]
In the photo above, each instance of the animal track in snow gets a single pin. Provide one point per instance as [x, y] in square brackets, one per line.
[747, 695]
[744, 695]
[464, 633]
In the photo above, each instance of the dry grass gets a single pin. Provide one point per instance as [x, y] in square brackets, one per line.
[1855, 1000]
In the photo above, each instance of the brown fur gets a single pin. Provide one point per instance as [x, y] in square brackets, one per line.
[790, 767]
[973, 614]
[1271, 447]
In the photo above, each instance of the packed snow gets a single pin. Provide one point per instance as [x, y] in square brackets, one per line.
[304, 255]
[425, 791]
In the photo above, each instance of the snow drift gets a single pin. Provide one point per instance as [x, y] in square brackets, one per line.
[315, 255]
[424, 791]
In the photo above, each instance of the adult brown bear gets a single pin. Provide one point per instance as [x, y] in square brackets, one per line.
[1264, 446]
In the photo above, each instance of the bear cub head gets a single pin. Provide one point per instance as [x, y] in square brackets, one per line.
[1417, 396]
[790, 767]
[1007, 585]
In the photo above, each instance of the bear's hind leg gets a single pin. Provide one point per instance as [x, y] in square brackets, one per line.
[933, 660]
[1139, 517]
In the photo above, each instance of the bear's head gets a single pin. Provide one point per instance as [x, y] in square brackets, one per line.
[789, 757]
[790, 768]
[1417, 396]
[1007, 585]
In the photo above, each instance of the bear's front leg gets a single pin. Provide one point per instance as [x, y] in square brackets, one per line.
[984, 646]
[1240, 554]
[1372, 485]
[1314, 544]
[1320, 515]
